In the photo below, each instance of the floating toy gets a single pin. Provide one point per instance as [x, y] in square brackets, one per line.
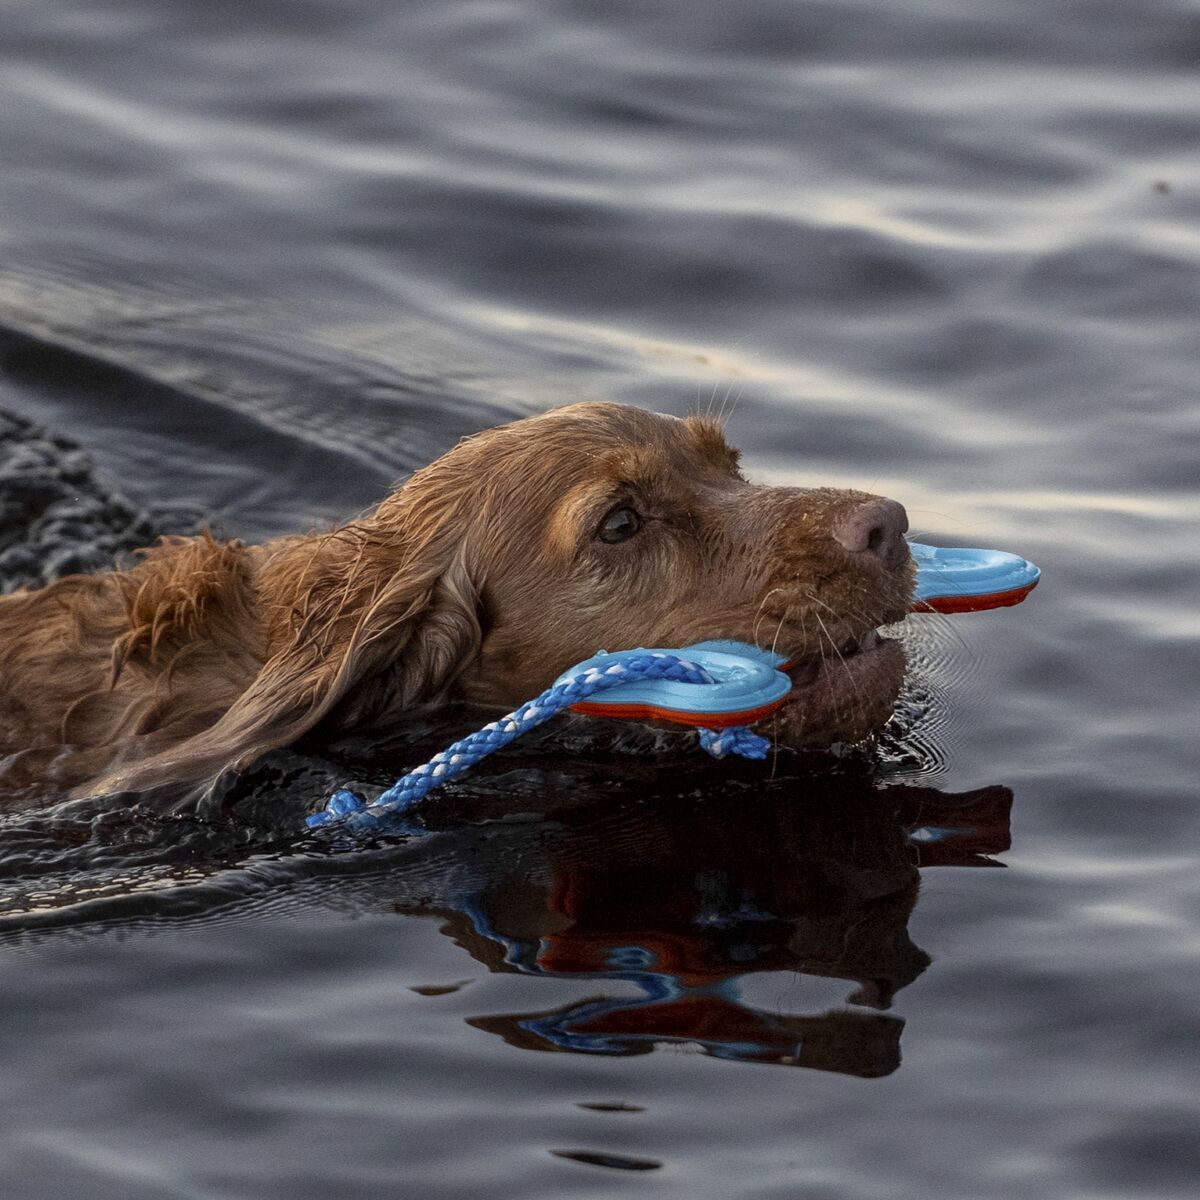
[730, 688]
[717, 687]
[951, 580]
[745, 684]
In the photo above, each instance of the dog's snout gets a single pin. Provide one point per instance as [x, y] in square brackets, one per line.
[876, 527]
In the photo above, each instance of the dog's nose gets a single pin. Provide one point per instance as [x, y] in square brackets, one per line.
[875, 527]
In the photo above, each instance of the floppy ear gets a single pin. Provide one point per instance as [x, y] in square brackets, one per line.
[373, 640]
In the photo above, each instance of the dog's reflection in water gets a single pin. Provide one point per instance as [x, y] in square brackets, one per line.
[686, 897]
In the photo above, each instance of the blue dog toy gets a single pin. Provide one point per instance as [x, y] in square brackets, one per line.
[718, 687]
[951, 580]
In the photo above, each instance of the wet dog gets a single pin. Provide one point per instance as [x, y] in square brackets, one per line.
[519, 552]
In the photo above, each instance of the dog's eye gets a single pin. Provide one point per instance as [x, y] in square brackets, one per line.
[620, 525]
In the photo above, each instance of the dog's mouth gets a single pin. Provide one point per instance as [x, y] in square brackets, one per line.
[804, 669]
[842, 693]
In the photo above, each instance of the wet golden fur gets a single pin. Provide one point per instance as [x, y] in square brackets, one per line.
[480, 578]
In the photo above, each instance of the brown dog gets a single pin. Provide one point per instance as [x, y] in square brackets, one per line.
[521, 551]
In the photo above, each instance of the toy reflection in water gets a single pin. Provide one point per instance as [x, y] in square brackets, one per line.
[687, 896]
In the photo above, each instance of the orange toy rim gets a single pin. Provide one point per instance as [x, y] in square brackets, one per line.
[646, 712]
[961, 604]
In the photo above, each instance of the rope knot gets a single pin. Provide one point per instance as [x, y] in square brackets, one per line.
[738, 739]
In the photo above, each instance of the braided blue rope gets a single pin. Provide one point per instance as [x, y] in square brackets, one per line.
[353, 812]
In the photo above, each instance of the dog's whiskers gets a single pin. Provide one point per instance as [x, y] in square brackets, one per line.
[758, 616]
[834, 646]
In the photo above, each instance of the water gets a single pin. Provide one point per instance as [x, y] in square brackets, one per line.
[265, 259]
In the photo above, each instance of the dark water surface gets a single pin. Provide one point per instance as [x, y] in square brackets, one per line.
[264, 258]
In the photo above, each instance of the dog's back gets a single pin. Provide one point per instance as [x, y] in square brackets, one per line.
[93, 663]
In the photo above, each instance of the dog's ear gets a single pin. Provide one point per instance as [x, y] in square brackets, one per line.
[374, 637]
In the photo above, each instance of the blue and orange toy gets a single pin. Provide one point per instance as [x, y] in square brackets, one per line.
[951, 580]
[717, 687]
